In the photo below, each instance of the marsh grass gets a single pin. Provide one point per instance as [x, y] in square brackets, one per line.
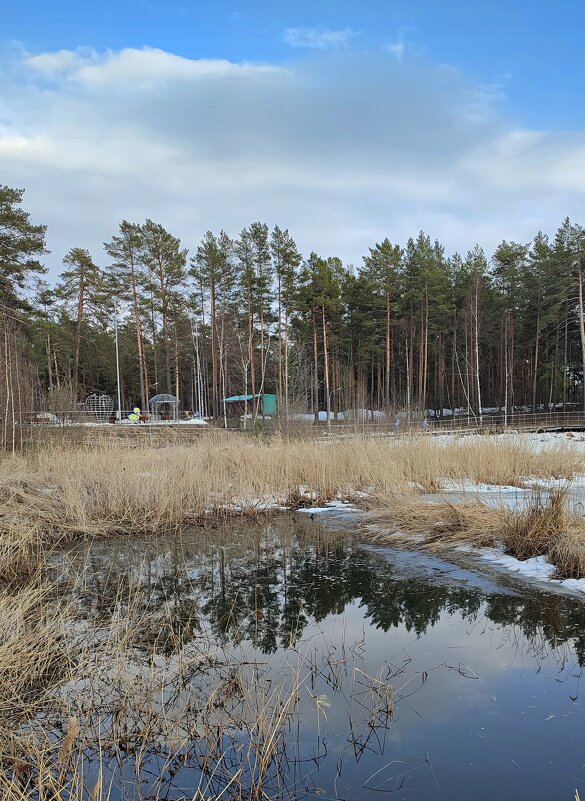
[542, 527]
[62, 493]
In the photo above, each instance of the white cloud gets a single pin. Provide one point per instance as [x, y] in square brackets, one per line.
[136, 68]
[343, 149]
[397, 48]
[59, 61]
[317, 38]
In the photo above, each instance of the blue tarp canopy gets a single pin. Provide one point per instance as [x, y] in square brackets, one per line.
[241, 398]
[268, 402]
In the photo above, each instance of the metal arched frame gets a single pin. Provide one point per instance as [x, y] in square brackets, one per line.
[158, 402]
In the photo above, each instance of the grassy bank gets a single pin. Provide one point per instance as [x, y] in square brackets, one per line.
[57, 494]
[111, 489]
[542, 527]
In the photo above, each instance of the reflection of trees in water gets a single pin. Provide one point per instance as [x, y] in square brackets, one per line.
[264, 588]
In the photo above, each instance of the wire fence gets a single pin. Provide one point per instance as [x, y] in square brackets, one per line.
[77, 425]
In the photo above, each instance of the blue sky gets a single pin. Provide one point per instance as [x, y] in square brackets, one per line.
[532, 50]
[346, 121]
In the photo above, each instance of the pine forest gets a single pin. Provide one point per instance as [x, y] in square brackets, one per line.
[410, 329]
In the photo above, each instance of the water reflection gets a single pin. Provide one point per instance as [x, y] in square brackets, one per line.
[264, 584]
[409, 677]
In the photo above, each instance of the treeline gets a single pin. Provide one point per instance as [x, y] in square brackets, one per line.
[410, 328]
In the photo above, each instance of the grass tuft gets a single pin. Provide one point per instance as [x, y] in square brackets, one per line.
[543, 527]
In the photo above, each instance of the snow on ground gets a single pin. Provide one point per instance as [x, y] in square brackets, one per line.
[547, 441]
[466, 485]
[332, 506]
[537, 568]
[515, 498]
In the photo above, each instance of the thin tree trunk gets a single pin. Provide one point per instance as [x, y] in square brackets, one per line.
[581, 325]
[453, 353]
[388, 354]
[286, 399]
[280, 377]
[153, 333]
[476, 331]
[426, 351]
[57, 379]
[139, 341]
[315, 370]
[251, 346]
[326, 368]
[259, 403]
[49, 365]
[177, 376]
[506, 370]
[408, 375]
[165, 323]
[80, 310]
[214, 377]
[536, 356]
[565, 356]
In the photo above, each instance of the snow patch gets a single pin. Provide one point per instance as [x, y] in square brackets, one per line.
[538, 568]
[466, 485]
[332, 506]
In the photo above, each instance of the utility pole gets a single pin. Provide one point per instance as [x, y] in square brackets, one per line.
[195, 333]
[119, 415]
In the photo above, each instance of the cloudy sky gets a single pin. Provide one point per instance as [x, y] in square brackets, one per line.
[345, 122]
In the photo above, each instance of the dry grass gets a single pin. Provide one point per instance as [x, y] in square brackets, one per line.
[543, 527]
[60, 493]
[114, 488]
[34, 654]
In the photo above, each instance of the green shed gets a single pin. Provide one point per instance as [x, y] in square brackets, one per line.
[237, 405]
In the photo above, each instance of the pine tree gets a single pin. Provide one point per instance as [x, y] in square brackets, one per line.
[166, 262]
[126, 279]
[381, 272]
[473, 278]
[263, 276]
[509, 262]
[81, 285]
[21, 246]
[214, 271]
[319, 303]
[286, 260]
[538, 305]
[426, 310]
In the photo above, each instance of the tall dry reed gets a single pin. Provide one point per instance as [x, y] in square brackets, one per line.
[114, 488]
[543, 526]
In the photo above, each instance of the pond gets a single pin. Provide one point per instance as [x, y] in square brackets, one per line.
[283, 659]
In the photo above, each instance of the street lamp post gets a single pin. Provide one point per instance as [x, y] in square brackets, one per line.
[196, 334]
[119, 415]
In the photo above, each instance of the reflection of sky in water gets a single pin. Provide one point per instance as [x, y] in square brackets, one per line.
[495, 730]
[485, 671]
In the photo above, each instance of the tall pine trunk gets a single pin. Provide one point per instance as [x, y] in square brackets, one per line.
[388, 353]
[139, 340]
[80, 310]
[476, 343]
[581, 324]
[326, 367]
[315, 369]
